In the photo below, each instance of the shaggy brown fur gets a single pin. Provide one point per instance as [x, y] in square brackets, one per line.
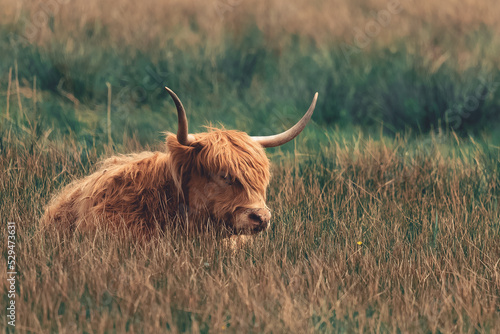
[221, 176]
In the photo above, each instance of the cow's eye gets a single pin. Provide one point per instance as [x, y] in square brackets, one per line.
[227, 178]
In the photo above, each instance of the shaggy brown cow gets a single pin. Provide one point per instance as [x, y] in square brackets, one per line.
[219, 176]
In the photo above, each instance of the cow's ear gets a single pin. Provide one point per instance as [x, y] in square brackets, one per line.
[174, 145]
[197, 146]
[181, 159]
[177, 149]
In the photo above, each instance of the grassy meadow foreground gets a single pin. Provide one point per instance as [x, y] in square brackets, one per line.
[386, 214]
[389, 235]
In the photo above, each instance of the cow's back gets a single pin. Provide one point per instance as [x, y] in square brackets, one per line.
[133, 190]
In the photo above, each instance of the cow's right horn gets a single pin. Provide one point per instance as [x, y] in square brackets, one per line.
[285, 137]
[183, 136]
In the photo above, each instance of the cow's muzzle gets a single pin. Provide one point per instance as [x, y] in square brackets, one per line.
[260, 219]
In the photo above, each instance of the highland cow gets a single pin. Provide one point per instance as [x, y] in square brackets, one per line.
[218, 177]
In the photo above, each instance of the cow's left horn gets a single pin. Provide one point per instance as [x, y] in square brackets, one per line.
[182, 131]
[285, 137]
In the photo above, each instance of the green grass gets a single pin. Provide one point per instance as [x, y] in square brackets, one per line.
[426, 212]
[399, 157]
[244, 84]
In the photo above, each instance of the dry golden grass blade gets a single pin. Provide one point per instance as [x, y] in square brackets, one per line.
[338, 257]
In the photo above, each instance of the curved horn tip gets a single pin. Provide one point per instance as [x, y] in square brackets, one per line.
[288, 135]
[169, 90]
[315, 97]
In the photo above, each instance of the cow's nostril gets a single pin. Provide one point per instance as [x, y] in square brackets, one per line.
[261, 217]
[255, 217]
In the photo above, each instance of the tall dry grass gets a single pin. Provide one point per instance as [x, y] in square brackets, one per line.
[426, 214]
[151, 22]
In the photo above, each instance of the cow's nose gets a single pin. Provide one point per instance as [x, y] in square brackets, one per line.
[261, 217]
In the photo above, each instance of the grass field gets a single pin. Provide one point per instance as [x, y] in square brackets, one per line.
[247, 65]
[386, 209]
[390, 236]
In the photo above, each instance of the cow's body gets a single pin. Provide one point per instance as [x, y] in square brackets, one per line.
[219, 177]
[135, 190]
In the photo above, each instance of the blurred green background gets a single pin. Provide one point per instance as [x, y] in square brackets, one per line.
[390, 66]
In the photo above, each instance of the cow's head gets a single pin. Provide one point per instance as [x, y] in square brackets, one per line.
[224, 174]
